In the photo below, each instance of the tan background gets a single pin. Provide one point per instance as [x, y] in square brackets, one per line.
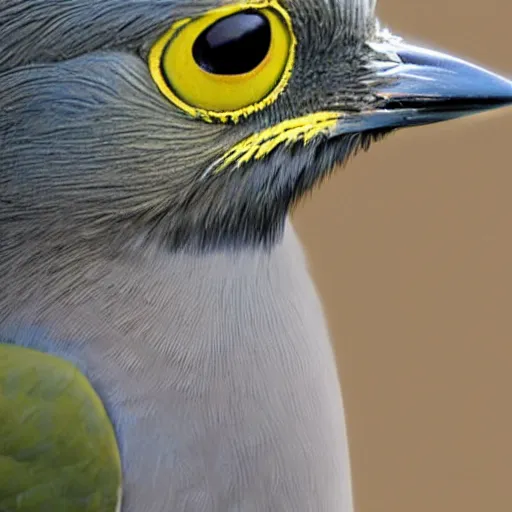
[411, 248]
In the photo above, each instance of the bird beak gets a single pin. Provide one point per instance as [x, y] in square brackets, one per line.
[424, 87]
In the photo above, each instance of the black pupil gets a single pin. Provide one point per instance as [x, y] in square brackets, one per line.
[233, 45]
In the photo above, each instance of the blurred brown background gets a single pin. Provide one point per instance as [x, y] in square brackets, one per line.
[411, 249]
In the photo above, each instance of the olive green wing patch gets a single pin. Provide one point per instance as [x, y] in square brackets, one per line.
[58, 450]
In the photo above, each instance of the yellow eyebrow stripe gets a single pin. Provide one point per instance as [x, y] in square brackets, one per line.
[261, 144]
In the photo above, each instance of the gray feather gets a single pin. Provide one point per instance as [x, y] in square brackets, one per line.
[216, 370]
[186, 302]
[89, 143]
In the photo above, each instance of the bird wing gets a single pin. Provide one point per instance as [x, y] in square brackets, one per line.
[58, 450]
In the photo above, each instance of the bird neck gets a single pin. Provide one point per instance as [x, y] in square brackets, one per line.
[106, 300]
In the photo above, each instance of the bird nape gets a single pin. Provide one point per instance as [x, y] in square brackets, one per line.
[150, 152]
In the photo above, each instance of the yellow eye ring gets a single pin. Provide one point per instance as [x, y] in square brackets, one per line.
[223, 97]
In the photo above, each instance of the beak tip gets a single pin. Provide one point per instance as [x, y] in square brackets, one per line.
[490, 86]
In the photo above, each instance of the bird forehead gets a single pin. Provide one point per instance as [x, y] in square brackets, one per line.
[42, 31]
[348, 12]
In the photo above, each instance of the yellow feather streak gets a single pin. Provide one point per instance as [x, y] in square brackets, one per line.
[263, 143]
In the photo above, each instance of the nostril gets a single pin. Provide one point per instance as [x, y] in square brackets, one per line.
[424, 59]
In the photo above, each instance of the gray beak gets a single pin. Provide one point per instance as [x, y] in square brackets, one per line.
[423, 87]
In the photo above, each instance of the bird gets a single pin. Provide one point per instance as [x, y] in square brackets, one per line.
[163, 347]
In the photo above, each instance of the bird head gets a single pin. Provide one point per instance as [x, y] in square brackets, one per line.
[197, 124]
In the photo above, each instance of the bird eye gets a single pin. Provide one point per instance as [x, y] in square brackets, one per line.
[234, 45]
[226, 64]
